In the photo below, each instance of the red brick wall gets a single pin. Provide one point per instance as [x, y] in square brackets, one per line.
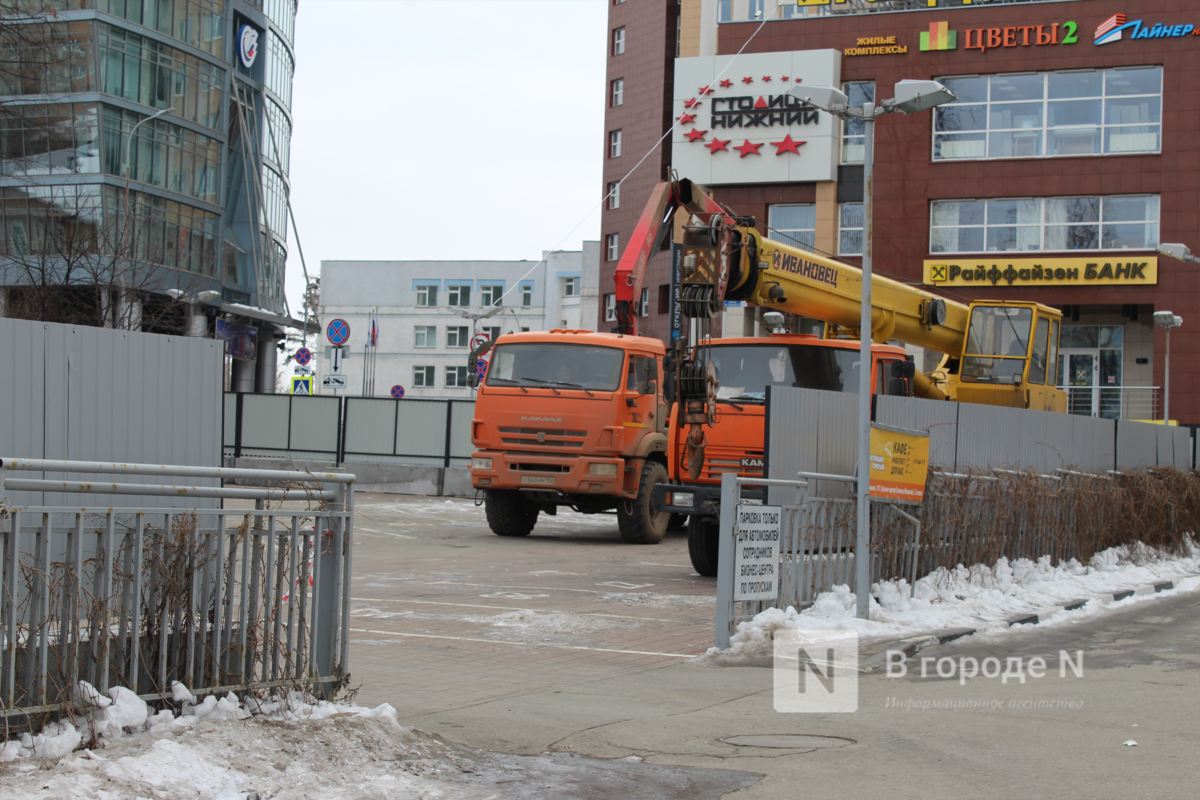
[906, 178]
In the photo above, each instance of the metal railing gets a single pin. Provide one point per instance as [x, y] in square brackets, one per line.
[219, 600]
[1115, 402]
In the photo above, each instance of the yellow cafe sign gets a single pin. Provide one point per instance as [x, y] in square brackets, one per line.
[1107, 270]
[899, 464]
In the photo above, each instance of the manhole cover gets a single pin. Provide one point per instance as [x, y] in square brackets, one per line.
[787, 741]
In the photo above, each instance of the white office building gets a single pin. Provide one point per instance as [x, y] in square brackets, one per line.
[429, 312]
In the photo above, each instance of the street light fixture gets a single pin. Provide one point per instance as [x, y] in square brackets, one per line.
[1178, 251]
[911, 97]
[1167, 320]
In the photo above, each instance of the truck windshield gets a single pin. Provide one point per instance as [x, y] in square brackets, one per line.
[543, 364]
[745, 371]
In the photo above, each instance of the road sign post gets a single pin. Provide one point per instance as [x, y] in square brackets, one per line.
[303, 385]
[337, 332]
[303, 356]
[398, 392]
[334, 381]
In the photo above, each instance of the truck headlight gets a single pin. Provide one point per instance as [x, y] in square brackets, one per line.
[609, 470]
[686, 499]
[481, 463]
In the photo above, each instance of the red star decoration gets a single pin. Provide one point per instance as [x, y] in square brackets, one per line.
[787, 146]
[746, 149]
[766, 78]
[717, 144]
[798, 80]
[747, 80]
[686, 118]
[783, 78]
[726, 83]
[705, 90]
[692, 103]
[694, 134]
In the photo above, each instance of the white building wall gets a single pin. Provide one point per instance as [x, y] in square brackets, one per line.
[351, 290]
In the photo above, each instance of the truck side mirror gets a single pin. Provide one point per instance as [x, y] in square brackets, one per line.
[473, 381]
[903, 369]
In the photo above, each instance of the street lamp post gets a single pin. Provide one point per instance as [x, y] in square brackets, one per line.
[1168, 320]
[911, 97]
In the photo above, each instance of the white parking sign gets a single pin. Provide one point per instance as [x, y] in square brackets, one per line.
[756, 553]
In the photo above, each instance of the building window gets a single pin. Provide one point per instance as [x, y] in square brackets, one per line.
[1055, 223]
[423, 377]
[456, 377]
[853, 131]
[459, 296]
[527, 295]
[644, 305]
[570, 287]
[756, 9]
[425, 336]
[1051, 114]
[610, 308]
[664, 298]
[794, 224]
[618, 92]
[850, 229]
[614, 144]
[491, 295]
[614, 195]
[724, 10]
[493, 332]
[427, 296]
[457, 336]
[618, 41]
[613, 246]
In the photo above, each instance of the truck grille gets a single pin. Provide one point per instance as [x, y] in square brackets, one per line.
[719, 460]
[543, 439]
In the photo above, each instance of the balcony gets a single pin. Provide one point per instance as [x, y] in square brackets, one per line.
[754, 10]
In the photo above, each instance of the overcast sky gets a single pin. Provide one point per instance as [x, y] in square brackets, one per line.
[445, 129]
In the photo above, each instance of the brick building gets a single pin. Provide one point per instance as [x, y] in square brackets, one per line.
[1071, 153]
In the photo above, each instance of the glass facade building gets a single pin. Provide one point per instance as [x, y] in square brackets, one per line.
[196, 197]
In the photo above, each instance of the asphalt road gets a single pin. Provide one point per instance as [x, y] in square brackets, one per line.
[570, 643]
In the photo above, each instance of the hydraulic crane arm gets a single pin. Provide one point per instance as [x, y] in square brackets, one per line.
[651, 231]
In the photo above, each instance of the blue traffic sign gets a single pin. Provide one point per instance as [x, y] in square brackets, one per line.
[481, 368]
[338, 332]
[303, 356]
[398, 391]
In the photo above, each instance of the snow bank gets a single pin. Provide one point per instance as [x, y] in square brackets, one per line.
[981, 597]
[330, 751]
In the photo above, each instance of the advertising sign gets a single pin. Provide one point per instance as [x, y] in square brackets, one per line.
[241, 341]
[1099, 270]
[899, 464]
[247, 41]
[738, 124]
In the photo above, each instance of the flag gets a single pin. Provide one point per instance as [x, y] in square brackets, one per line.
[373, 334]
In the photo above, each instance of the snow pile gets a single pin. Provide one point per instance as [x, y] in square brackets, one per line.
[981, 597]
[337, 751]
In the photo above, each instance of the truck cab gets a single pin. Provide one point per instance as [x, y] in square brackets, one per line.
[745, 368]
[571, 418]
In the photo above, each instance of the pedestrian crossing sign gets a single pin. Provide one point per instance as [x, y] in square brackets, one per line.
[302, 384]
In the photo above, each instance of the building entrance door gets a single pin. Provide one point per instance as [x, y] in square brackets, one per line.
[1092, 381]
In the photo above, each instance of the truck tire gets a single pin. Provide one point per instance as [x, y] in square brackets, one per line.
[508, 514]
[704, 544]
[637, 520]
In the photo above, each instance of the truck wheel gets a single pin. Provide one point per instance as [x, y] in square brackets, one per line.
[704, 544]
[644, 525]
[508, 514]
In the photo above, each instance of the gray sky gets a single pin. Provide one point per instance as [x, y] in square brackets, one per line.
[460, 129]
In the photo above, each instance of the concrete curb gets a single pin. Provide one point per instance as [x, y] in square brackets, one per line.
[914, 644]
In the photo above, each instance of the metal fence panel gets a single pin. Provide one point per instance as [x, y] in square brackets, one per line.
[314, 427]
[1035, 452]
[811, 431]
[421, 431]
[1183, 447]
[1137, 445]
[95, 394]
[230, 427]
[937, 418]
[264, 424]
[370, 426]
[988, 436]
[461, 414]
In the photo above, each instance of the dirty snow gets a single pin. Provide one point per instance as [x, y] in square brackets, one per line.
[293, 746]
[981, 597]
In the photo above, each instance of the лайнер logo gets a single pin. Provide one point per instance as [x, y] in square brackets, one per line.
[1113, 29]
